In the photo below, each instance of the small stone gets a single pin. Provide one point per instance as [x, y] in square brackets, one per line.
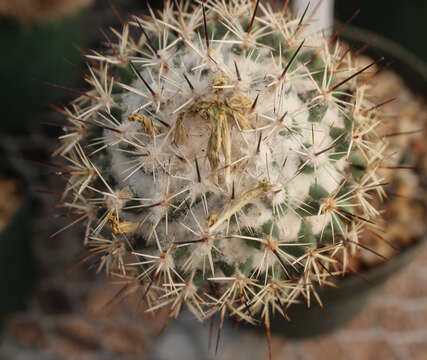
[393, 318]
[365, 320]
[404, 286]
[420, 260]
[76, 336]
[125, 340]
[27, 332]
[417, 350]
[419, 317]
[372, 349]
[326, 348]
[179, 343]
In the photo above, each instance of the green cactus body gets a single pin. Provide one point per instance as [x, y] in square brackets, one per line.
[229, 173]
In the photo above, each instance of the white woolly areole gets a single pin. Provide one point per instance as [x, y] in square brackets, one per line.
[289, 225]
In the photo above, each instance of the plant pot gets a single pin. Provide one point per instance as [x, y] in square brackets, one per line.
[341, 304]
[383, 20]
[36, 54]
[17, 264]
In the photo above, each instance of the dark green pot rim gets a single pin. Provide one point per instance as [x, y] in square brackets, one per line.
[371, 278]
[349, 296]
[18, 272]
[415, 71]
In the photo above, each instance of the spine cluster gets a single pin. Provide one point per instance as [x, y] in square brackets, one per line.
[221, 161]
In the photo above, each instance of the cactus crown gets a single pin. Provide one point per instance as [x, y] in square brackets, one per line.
[222, 161]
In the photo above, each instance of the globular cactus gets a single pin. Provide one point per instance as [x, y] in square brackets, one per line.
[223, 162]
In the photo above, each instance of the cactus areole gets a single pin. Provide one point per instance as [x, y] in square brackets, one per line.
[222, 162]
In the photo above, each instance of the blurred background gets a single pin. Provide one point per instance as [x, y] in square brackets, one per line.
[65, 313]
[400, 21]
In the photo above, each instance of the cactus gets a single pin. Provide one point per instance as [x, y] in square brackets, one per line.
[222, 162]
